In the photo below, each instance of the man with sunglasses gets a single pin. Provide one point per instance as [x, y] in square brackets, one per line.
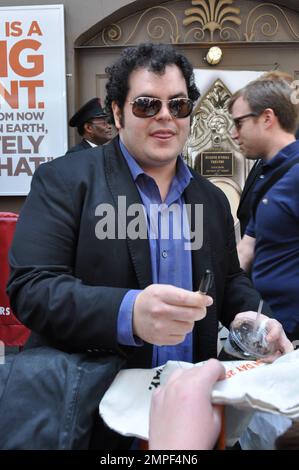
[104, 265]
[92, 125]
[266, 118]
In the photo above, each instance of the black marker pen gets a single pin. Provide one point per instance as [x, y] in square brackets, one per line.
[206, 282]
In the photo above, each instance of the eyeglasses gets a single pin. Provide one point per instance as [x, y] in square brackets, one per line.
[238, 120]
[98, 121]
[145, 107]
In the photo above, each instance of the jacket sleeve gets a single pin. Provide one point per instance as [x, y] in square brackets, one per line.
[44, 292]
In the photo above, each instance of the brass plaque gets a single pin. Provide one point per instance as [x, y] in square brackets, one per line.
[217, 163]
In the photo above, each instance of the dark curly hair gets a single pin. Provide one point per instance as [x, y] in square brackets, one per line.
[154, 57]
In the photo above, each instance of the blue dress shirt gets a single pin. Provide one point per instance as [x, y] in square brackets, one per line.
[171, 261]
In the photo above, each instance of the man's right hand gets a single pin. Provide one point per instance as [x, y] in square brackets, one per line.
[164, 314]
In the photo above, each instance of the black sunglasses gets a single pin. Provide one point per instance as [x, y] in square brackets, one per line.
[144, 107]
[238, 120]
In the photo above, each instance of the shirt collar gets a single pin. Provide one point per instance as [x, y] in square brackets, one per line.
[288, 152]
[134, 167]
[183, 174]
[91, 143]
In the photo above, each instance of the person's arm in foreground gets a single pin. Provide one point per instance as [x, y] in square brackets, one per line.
[182, 415]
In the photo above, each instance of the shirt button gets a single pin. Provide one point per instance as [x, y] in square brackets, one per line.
[265, 201]
[164, 254]
[262, 177]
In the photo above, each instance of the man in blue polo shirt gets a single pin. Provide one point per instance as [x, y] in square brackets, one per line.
[266, 117]
[244, 208]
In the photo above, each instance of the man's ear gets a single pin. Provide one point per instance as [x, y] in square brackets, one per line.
[270, 117]
[117, 114]
[87, 126]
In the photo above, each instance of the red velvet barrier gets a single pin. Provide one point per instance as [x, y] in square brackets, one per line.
[12, 332]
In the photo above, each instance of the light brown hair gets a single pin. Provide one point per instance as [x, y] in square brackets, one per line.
[272, 90]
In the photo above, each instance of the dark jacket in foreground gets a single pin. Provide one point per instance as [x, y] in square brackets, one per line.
[80, 146]
[49, 400]
[67, 285]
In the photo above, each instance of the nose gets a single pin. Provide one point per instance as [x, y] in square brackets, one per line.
[164, 112]
[234, 133]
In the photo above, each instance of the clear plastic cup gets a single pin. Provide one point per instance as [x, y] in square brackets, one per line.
[247, 338]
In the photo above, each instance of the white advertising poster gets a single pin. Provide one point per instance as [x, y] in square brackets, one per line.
[33, 117]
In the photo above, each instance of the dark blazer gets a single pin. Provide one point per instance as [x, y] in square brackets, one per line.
[67, 285]
[244, 208]
[81, 146]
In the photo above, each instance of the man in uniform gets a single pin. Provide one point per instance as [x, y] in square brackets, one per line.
[92, 125]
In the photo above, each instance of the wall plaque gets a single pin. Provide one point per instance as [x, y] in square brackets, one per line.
[217, 163]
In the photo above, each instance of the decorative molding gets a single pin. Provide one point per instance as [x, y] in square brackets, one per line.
[155, 28]
[211, 15]
[267, 29]
[200, 21]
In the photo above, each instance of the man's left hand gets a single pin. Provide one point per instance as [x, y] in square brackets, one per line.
[276, 335]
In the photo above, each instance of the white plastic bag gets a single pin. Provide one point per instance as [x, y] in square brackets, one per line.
[263, 430]
[249, 386]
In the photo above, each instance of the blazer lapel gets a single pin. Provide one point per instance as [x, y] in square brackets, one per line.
[121, 184]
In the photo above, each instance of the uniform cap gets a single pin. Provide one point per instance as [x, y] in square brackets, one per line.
[91, 109]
